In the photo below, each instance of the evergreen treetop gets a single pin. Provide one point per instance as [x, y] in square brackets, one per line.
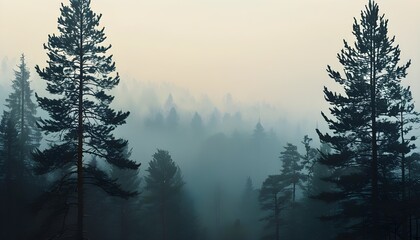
[364, 134]
[79, 75]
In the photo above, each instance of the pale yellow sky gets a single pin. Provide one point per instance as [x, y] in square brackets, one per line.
[273, 51]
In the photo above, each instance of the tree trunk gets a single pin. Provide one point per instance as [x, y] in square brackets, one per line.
[80, 203]
[294, 190]
[22, 119]
[404, 235]
[374, 164]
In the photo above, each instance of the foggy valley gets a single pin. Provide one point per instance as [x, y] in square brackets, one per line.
[258, 125]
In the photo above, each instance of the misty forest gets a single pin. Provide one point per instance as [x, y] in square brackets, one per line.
[76, 165]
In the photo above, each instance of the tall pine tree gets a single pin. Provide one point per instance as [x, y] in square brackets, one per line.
[80, 74]
[364, 130]
[23, 111]
[20, 137]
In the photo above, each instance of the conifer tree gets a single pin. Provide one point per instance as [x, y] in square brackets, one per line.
[365, 133]
[9, 168]
[79, 74]
[249, 210]
[20, 137]
[23, 111]
[291, 168]
[162, 183]
[171, 211]
[407, 117]
[273, 198]
[310, 156]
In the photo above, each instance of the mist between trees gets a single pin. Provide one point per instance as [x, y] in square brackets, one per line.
[67, 170]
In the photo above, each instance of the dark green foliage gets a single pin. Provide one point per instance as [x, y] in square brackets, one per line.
[14, 199]
[249, 212]
[18, 137]
[273, 198]
[311, 210]
[164, 179]
[9, 148]
[80, 74]
[298, 172]
[77, 59]
[23, 111]
[166, 202]
[406, 118]
[292, 169]
[364, 133]
[310, 157]
[121, 220]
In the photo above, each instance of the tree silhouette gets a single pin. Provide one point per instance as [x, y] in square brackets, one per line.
[80, 74]
[20, 137]
[273, 197]
[364, 131]
[163, 183]
[23, 111]
[291, 168]
[10, 166]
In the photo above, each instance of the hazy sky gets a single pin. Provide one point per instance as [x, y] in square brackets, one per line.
[272, 51]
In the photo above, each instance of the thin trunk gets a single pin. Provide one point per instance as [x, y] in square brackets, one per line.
[22, 119]
[294, 186]
[409, 199]
[403, 197]
[80, 203]
[374, 164]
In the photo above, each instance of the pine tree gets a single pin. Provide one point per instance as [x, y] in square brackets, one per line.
[162, 184]
[21, 136]
[311, 209]
[172, 120]
[310, 156]
[249, 210]
[273, 198]
[364, 131]
[79, 74]
[291, 168]
[10, 166]
[171, 210]
[258, 140]
[197, 123]
[406, 118]
[413, 194]
[23, 110]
